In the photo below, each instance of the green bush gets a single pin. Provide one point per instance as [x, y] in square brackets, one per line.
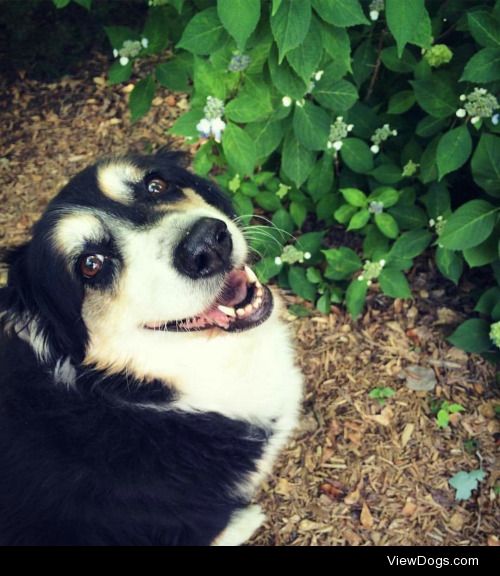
[375, 116]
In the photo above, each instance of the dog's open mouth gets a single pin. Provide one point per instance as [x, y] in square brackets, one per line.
[243, 303]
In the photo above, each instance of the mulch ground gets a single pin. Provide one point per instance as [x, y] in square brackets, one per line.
[357, 472]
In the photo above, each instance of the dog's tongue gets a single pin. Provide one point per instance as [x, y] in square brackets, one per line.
[235, 289]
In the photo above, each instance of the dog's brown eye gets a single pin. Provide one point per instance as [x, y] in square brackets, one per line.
[157, 186]
[91, 265]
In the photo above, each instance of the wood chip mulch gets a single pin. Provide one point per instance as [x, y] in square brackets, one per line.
[357, 472]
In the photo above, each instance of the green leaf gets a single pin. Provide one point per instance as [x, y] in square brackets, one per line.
[284, 78]
[401, 102]
[387, 174]
[239, 17]
[268, 200]
[323, 304]
[296, 161]
[435, 96]
[402, 19]
[311, 125]
[299, 311]
[403, 64]
[408, 21]
[61, 3]
[118, 34]
[359, 220]
[244, 208]
[345, 213]
[266, 135]
[185, 125]
[488, 300]
[354, 197]
[483, 67]
[356, 155]
[252, 104]
[363, 62]
[239, 149]
[305, 58]
[469, 225]
[290, 25]
[453, 150]
[118, 73]
[342, 263]
[485, 164]
[449, 263]
[203, 160]
[87, 4]
[485, 253]
[141, 97]
[266, 269]
[337, 44]
[336, 95]
[298, 212]
[156, 30]
[202, 33]
[314, 275]
[387, 225]
[374, 243]
[321, 179]
[409, 218]
[409, 245]
[443, 418]
[472, 336]
[428, 165]
[386, 195]
[485, 28]
[356, 297]
[300, 285]
[465, 482]
[282, 220]
[342, 13]
[310, 242]
[208, 81]
[437, 200]
[394, 284]
[173, 74]
[429, 126]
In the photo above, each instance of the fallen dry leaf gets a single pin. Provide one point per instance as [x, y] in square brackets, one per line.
[384, 418]
[406, 435]
[409, 508]
[333, 489]
[366, 517]
[352, 537]
[493, 540]
[457, 522]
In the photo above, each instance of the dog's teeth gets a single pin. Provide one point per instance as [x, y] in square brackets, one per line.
[252, 278]
[259, 292]
[257, 303]
[227, 311]
[248, 309]
[240, 312]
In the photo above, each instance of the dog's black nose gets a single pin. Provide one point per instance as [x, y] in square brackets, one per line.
[206, 249]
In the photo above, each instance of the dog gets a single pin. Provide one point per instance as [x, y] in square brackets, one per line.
[147, 382]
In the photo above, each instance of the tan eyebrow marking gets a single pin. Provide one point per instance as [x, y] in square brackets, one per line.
[114, 179]
[73, 230]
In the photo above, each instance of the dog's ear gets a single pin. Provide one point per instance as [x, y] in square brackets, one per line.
[172, 157]
[40, 289]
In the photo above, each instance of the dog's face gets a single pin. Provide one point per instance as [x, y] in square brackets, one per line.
[133, 254]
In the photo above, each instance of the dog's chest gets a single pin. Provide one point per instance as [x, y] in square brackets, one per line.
[249, 376]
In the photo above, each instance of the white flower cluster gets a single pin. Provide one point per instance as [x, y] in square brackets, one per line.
[371, 271]
[376, 207]
[130, 49]
[291, 255]
[239, 62]
[478, 104]
[376, 6]
[380, 135]
[315, 77]
[339, 130]
[212, 124]
[437, 224]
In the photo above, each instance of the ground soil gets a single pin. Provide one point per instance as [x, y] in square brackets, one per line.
[357, 472]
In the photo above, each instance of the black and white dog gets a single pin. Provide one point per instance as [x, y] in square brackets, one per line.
[146, 380]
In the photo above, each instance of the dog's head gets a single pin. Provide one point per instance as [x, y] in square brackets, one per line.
[133, 253]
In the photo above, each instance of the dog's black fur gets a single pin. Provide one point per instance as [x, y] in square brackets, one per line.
[85, 464]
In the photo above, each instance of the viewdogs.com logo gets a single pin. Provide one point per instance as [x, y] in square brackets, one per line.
[430, 561]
